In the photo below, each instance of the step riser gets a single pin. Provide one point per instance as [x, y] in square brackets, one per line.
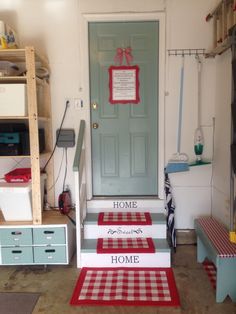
[117, 205]
[125, 260]
[152, 231]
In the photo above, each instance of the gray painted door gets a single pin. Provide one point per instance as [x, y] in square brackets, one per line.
[124, 136]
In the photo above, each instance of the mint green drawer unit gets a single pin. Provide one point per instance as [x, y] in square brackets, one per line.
[50, 255]
[15, 236]
[17, 255]
[54, 235]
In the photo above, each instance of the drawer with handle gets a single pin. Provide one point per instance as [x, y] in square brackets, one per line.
[15, 236]
[55, 235]
[17, 255]
[50, 254]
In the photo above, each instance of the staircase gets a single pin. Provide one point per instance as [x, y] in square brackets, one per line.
[89, 231]
[92, 231]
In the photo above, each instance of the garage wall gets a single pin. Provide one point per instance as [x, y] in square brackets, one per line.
[52, 26]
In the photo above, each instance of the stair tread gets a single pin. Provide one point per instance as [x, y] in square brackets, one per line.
[157, 218]
[90, 246]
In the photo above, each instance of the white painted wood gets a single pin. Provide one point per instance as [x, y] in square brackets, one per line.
[221, 206]
[197, 176]
[221, 166]
[70, 241]
[80, 199]
[139, 205]
[161, 259]
[153, 231]
[195, 203]
[118, 6]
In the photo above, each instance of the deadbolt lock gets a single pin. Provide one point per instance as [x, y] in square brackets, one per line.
[94, 106]
[95, 125]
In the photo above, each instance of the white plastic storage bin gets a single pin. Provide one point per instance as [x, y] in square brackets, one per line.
[16, 200]
[13, 100]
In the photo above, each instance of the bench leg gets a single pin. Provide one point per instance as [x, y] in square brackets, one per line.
[201, 251]
[225, 279]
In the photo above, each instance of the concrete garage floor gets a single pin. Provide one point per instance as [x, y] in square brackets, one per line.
[56, 283]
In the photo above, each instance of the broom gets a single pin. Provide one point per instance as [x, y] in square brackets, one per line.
[179, 161]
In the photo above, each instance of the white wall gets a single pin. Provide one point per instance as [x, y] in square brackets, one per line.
[221, 178]
[52, 26]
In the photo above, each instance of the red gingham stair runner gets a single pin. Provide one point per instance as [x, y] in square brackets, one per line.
[125, 245]
[122, 286]
[219, 237]
[124, 218]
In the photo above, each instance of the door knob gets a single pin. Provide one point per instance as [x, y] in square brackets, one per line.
[95, 125]
[94, 106]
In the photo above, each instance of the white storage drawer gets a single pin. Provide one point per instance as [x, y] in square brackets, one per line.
[13, 100]
[15, 236]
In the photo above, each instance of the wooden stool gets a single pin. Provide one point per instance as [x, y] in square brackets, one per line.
[213, 243]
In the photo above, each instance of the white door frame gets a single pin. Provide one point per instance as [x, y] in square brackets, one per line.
[85, 88]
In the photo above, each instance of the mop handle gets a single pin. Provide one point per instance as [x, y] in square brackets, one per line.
[180, 105]
[199, 68]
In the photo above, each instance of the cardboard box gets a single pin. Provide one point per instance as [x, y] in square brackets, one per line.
[13, 100]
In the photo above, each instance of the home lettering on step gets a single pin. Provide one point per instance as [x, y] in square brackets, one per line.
[133, 259]
[131, 204]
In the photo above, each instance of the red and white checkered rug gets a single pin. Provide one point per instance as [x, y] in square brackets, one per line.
[125, 245]
[211, 272]
[124, 218]
[126, 286]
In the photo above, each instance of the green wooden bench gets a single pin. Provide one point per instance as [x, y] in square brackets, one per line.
[213, 243]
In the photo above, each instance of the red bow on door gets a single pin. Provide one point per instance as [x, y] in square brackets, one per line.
[121, 53]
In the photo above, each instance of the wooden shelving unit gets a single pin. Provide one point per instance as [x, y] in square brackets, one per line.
[224, 18]
[39, 115]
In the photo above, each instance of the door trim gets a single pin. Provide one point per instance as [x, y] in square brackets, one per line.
[85, 88]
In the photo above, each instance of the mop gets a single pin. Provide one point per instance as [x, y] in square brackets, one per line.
[198, 136]
[179, 161]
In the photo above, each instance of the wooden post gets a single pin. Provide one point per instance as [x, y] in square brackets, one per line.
[33, 133]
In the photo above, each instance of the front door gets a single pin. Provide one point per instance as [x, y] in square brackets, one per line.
[124, 135]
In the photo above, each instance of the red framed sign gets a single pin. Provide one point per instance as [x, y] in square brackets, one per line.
[124, 84]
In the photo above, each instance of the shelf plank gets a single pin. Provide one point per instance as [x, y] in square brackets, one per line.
[43, 154]
[19, 55]
[49, 217]
[220, 48]
[14, 118]
[12, 79]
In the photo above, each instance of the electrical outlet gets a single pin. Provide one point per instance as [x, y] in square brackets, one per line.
[67, 101]
[78, 103]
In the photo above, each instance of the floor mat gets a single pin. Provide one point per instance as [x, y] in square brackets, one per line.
[126, 286]
[211, 272]
[125, 245]
[18, 302]
[124, 218]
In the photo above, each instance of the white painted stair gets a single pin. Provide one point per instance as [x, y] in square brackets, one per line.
[156, 231]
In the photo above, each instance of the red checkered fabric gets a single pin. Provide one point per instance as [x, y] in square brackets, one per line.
[124, 218]
[211, 272]
[219, 236]
[125, 245]
[122, 286]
